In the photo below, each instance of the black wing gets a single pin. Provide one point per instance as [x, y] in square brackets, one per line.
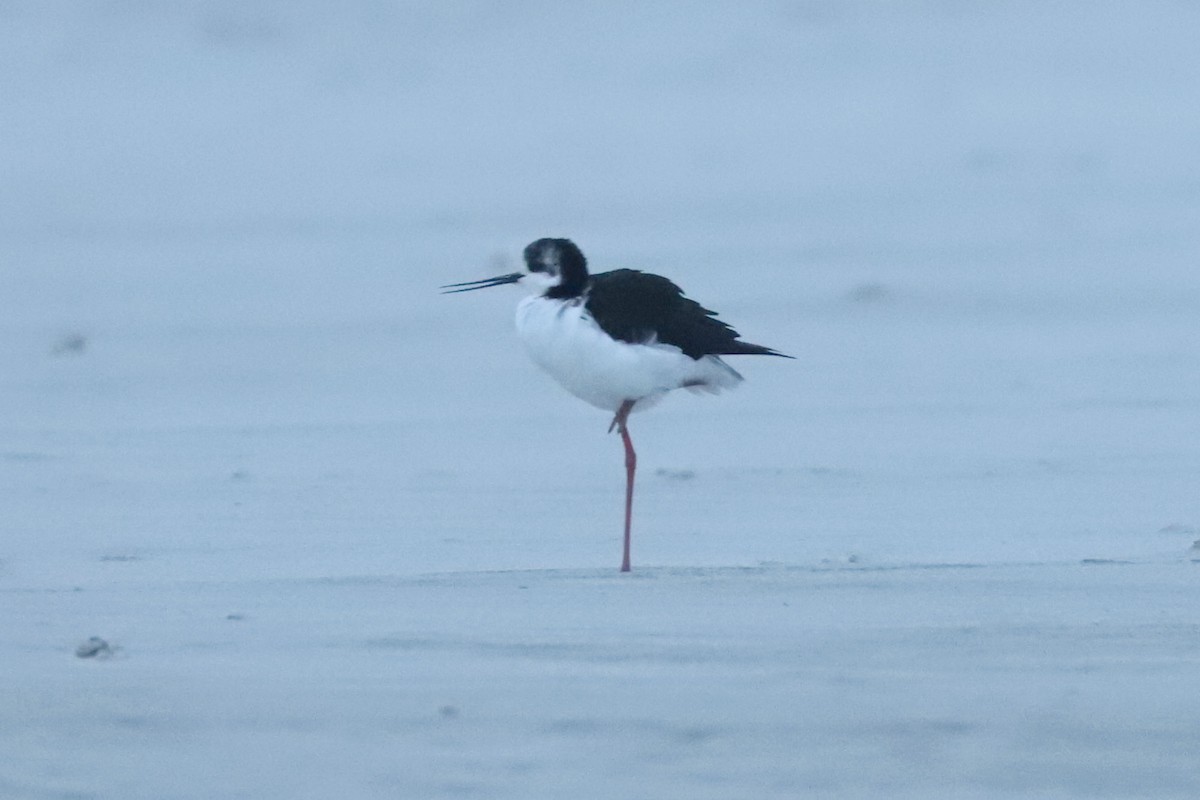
[637, 307]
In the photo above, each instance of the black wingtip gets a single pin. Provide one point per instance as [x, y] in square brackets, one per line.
[740, 348]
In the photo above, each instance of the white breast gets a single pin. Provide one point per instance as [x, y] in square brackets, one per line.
[563, 339]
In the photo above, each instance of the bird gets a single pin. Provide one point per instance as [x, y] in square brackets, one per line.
[618, 340]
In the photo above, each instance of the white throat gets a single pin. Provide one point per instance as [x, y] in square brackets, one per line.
[538, 283]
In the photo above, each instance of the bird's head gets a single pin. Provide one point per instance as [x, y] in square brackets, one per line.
[553, 268]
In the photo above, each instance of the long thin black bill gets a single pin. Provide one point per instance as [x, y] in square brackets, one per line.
[470, 286]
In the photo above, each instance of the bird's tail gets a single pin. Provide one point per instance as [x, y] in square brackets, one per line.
[740, 348]
[714, 375]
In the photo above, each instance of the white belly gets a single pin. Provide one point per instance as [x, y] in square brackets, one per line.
[563, 340]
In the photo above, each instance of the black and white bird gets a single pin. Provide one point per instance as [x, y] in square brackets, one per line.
[618, 340]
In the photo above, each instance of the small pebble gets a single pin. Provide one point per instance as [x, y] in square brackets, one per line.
[870, 293]
[94, 647]
[72, 344]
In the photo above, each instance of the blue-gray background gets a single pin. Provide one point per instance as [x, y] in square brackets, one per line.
[946, 551]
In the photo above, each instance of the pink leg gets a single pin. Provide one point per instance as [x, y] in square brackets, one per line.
[630, 468]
